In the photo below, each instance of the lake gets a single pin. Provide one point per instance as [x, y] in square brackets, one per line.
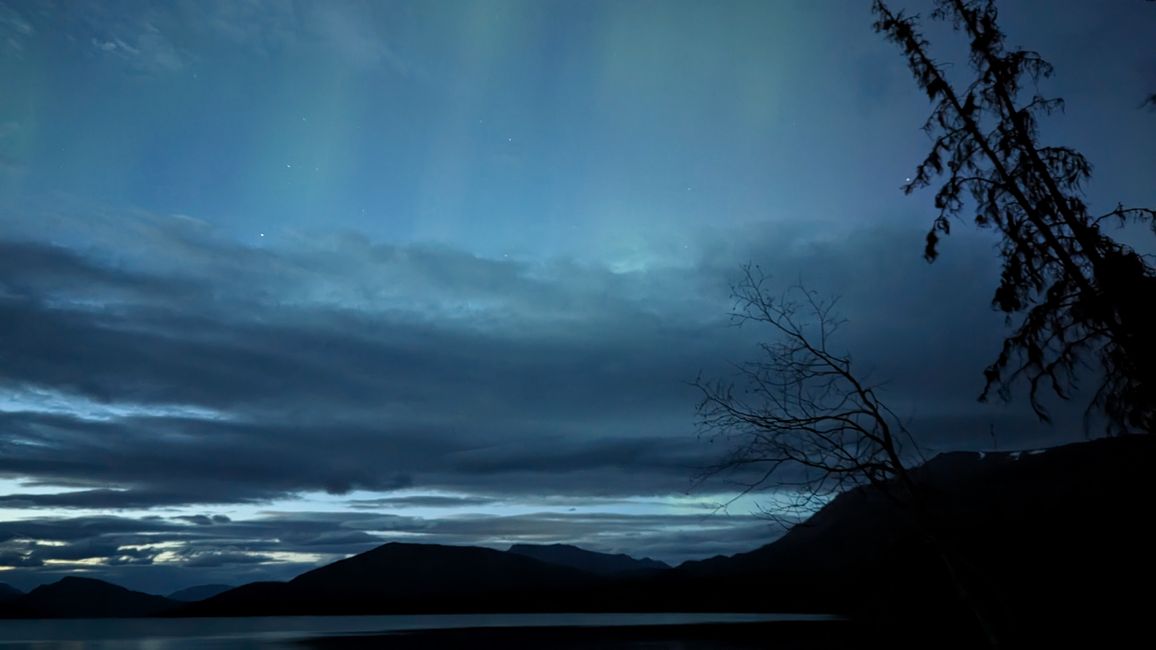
[711, 630]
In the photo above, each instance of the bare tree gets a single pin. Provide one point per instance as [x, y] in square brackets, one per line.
[799, 416]
[802, 418]
[1082, 294]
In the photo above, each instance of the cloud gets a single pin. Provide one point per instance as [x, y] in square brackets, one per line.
[217, 558]
[145, 552]
[15, 560]
[143, 40]
[447, 369]
[147, 49]
[152, 365]
[422, 501]
[161, 39]
[102, 499]
[15, 31]
[203, 520]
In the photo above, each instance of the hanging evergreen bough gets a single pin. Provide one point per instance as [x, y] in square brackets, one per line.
[1080, 295]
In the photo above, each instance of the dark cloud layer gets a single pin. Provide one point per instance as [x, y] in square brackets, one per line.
[157, 389]
[149, 381]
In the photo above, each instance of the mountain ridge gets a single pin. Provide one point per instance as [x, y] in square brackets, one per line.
[607, 564]
[408, 578]
[1051, 535]
[198, 592]
[81, 597]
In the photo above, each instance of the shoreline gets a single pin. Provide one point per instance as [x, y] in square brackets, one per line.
[785, 635]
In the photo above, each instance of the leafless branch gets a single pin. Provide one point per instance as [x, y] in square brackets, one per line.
[799, 413]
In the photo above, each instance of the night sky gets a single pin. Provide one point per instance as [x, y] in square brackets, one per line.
[280, 281]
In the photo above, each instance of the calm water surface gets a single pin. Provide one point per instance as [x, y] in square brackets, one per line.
[288, 631]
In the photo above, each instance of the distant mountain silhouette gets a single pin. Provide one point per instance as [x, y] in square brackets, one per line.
[1056, 535]
[605, 564]
[73, 597]
[1056, 539]
[9, 593]
[399, 577]
[199, 592]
